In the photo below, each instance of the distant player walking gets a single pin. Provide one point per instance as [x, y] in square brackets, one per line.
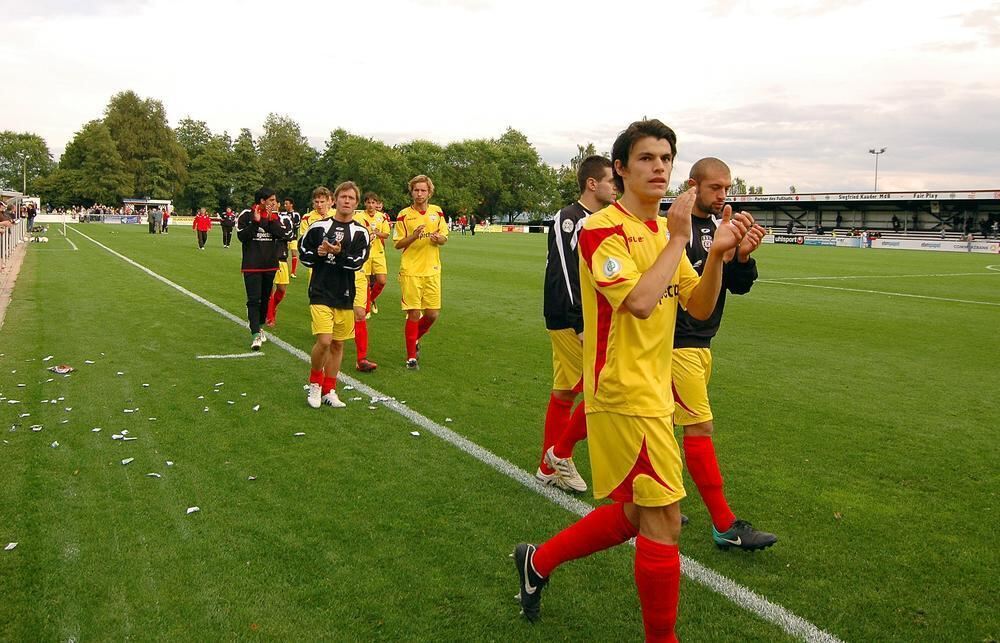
[202, 224]
[420, 232]
[281, 277]
[336, 249]
[564, 321]
[634, 275]
[260, 231]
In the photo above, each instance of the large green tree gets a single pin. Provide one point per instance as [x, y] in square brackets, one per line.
[23, 155]
[153, 158]
[372, 164]
[90, 171]
[526, 186]
[244, 171]
[286, 158]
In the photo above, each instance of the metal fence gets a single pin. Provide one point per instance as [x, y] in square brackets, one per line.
[10, 238]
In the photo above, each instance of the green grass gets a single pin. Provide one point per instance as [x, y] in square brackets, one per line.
[859, 427]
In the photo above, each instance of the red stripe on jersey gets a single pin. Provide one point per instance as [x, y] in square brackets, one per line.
[677, 398]
[605, 284]
[604, 312]
[653, 225]
[590, 240]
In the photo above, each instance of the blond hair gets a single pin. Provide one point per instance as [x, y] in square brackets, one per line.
[422, 178]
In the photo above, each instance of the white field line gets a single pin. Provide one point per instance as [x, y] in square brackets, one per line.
[880, 292]
[742, 596]
[66, 236]
[232, 356]
[938, 274]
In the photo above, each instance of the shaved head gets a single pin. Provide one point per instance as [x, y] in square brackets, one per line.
[707, 166]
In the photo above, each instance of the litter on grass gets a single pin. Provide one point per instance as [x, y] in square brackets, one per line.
[348, 388]
[127, 460]
[219, 383]
[21, 385]
[62, 369]
[256, 408]
[230, 402]
[45, 359]
[10, 546]
[170, 463]
[64, 422]
[205, 410]
[243, 394]
[372, 408]
[447, 419]
[25, 415]
[153, 475]
[117, 436]
[125, 432]
[128, 439]
[145, 386]
[88, 361]
[119, 373]
[299, 434]
[96, 429]
[415, 433]
[13, 401]
[55, 445]
[357, 399]
[201, 397]
[192, 510]
[68, 409]
[152, 419]
[252, 478]
[36, 428]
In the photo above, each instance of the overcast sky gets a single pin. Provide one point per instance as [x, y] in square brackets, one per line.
[786, 92]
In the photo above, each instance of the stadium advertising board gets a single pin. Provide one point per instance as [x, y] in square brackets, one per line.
[833, 197]
[796, 239]
[989, 247]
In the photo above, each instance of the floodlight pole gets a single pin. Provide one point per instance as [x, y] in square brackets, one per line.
[876, 153]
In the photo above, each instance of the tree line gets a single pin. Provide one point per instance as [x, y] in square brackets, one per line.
[133, 152]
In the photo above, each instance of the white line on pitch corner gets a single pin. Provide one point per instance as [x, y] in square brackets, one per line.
[939, 274]
[880, 292]
[66, 236]
[230, 356]
[742, 596]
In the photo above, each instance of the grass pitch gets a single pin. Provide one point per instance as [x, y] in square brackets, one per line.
[859, 426]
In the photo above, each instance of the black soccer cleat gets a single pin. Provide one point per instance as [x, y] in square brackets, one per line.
[742, 535]
[530, 595]
[412, 364]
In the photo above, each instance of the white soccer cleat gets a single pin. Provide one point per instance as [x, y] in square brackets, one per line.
[315, 397]
[258, 340]
[551, 479]
[263, 337]
[331, 399]
[566, 470]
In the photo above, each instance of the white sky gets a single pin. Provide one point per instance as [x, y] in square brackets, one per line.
[786, 92]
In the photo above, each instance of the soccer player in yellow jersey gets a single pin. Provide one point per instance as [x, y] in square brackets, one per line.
[420, 232]
[376, 269]
[633, 276]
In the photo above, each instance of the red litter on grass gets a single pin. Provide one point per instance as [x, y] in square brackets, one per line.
[62, 369]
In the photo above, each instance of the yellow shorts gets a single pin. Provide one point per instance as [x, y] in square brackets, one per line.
[567, 359]
[360, 289]
[332, 321]
[420, 293]
[281, 277]
[376, 265]
[634, 459]
[293, 246]
[690, 370]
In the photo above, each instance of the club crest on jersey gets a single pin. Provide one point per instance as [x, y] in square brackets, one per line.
[611, 267]
[567, 226]
[706, 242]
[338, 236]
[433, 218]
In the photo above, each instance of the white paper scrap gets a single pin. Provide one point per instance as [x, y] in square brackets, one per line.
[205, 410]
[192, 510]
[36, 428]
[117, 436]
[88, 361]
[64, 422]
[125, 432]
[219, 383]
[230, 402]
[45, 359]
[170, 463]
[60, 398]
[55, 445]
[128, 411]
[145, 386]
[201, 397]
[243, 394]
[21, 385]
[447, 419]
[256, 408]
[119, 373]
[68, 408]
[372, 408]
[96, 429]
[129, 439]
[127, 460]
[346, 388]
[25, 415]
[10, 546]
[153, 475]
[13, 401]
[252, 478]
[415, 433]
[299, 434]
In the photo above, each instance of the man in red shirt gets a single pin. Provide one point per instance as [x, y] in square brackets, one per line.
[202, 223]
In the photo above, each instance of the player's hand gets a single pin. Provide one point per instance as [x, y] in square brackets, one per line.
[436, 238]
[731, 231]
[752, 241]
[679, 214]
[334, 249]
[418, 231]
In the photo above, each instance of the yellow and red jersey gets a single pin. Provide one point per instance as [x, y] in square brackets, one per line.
[312, 217]
[421, 258]
[377, 222]
[626, 360]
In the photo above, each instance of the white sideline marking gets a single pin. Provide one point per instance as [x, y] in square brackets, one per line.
[880, 292]
[939, 274]
[232, 356]
[995, 267]
[742, 596]
[66, 236]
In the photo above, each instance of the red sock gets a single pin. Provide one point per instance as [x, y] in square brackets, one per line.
[658, 579]
[575, 431]
[699, 453]
[271, 305]
[556, 418]
[329, 384]
[602, 528]
[377, 290]
[368, 299]
[411, 333]
[424, 325]
[295, 264]
[361, 338]
[316, 376]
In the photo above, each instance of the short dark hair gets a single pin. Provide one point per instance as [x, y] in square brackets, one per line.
[262, 194]
[290, 199]
[639, 130]
[592, 167]
[372, 196]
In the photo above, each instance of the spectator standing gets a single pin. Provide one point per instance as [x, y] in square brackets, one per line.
[166, 220]
[202, 223]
